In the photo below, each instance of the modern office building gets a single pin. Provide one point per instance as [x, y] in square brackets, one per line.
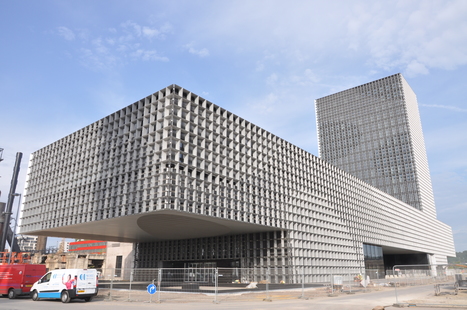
[193, 185]
[373, 131]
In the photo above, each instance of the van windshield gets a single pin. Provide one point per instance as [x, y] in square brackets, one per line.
[46, 278]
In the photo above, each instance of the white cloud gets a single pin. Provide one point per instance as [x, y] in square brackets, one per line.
[415, 68]
[150, 32]
[259, 66]
[99, 55]
[403, 36]
[99, 46]
[269, 59]
[66, 33]
[132, 27]
[272, 79]
[129, 41]
[311, 76]
[148, 55]
[305, 78]
[145, 31]
[415, 36]
[157, 33]
[93, 61]
[204, 52]
[267, 105]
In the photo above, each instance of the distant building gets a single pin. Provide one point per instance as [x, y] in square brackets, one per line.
[88, 247]
[27, 243]
[66, 246]
[110, 258]
[194, 185]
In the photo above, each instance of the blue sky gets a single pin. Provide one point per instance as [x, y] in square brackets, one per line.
[66, 64]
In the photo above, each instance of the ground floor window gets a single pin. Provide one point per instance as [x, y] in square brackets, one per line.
[118, 266]
[374, 262]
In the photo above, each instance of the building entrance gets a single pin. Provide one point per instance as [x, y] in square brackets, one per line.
[199, 272]
[203, 272]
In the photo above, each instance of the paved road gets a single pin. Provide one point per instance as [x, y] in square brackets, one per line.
[360, 301]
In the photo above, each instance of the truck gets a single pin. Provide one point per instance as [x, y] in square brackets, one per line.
[66, 284]
[17, 279]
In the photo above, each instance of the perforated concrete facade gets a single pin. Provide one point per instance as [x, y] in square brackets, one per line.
[189, 181]
[373, 131]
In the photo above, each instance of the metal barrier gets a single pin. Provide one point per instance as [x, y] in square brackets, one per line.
[218, 284]
[260, 284]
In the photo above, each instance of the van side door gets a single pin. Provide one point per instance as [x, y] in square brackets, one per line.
[43, 283]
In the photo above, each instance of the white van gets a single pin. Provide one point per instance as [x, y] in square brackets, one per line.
[66, 284]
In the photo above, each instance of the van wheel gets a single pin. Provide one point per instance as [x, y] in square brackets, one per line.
[65, 297]
[87, 299]
[11, 294]
[35, 296]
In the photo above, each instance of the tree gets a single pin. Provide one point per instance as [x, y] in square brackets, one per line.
[461, 258]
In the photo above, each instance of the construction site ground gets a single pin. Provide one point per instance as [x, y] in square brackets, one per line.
[319, 298]
[421, 297]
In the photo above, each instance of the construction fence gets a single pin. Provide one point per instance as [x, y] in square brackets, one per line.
[161, 285]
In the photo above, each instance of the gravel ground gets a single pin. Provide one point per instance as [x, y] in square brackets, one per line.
[445, 299]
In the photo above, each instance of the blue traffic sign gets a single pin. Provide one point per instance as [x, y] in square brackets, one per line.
[152, 289]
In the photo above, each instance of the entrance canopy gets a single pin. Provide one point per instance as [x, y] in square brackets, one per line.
[154, 226]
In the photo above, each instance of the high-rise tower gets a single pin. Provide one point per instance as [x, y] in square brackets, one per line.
[373, 131]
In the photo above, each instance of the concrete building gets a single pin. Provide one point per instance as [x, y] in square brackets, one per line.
[113, 259]
[194, 185]
[27, 243]
[373, 131]
[119, 260]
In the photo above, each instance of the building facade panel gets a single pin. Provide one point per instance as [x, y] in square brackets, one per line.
[242, 195]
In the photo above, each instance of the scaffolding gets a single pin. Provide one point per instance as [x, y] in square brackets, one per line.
[15, 258]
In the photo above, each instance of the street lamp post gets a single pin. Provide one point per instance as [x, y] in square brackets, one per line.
[13, 232]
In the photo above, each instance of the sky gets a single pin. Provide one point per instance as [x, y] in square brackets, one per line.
[66, 64]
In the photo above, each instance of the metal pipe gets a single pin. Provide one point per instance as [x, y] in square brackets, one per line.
[13, 232]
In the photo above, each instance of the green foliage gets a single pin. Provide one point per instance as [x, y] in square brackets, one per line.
[461, 258]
